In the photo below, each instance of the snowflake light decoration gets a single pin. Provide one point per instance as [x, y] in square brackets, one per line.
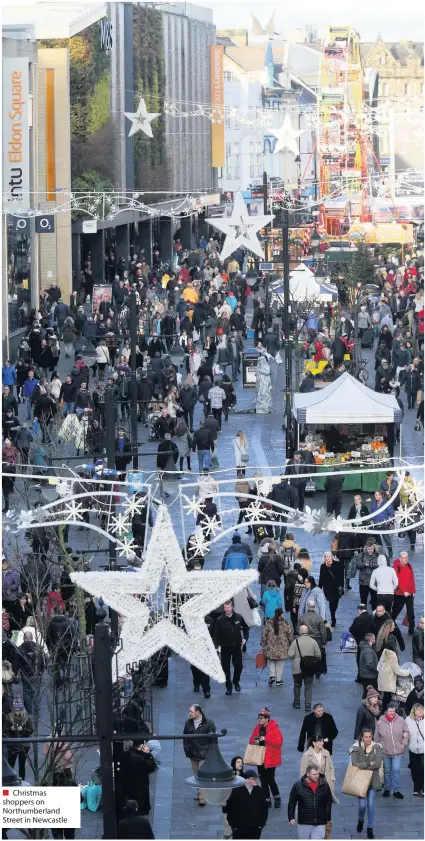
[73, 510]
[119, 525]
[255, 511]
[126, 547]
[134, 505]
[192, 506]
[24, 519]
[316, 520]
[145, 631]
[201, 543]
[405, 515]
[211, 525]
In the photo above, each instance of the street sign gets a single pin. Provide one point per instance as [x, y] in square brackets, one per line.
[135, 477]
[90, 226]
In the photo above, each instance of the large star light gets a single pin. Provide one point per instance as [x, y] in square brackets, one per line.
[143, 632]
[241, 229]
[287, 137]
[141, 119]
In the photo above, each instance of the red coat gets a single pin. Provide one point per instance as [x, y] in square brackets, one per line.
[406, 578]
[273, 741]
[54, 600]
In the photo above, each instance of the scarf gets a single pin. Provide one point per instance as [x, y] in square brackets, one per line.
[374, 710]
[390, 718]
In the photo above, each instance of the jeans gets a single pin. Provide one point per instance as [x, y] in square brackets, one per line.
[68, 348]
[29, 408]
[392, 766]
[398, 603]
[386, 538]
[417, 770]
[188, 417]
[368, 803]
[234, 654]
[68, 408]
[308, 688]
[268, 782]
[276, 669]
[28, 694]
[306, 830]
[204, 459]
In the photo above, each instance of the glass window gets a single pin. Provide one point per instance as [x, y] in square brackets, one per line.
[407, 89]
[18, 272]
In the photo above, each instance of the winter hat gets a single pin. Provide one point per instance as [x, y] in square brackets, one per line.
[17, 703]
[418, 681]
[265, 712]
[236, 538]
[371, 692]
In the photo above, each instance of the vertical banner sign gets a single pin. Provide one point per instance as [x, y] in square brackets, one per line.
[16, 150]
[217, 101]
[50, 136]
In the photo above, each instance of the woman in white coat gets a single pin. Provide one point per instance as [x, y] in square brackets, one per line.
[388, 670]
[415, 725]
[240, 449]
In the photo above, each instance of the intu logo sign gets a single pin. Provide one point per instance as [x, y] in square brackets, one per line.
[105, 34]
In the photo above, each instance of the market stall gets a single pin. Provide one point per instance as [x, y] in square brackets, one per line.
[345, 423]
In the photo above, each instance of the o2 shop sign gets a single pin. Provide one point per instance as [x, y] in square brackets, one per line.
[45, 224]
[105, 34]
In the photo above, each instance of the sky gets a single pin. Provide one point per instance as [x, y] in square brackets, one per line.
[390, 19]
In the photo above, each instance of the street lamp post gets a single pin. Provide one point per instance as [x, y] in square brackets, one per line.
[133, 394]
[287, 333]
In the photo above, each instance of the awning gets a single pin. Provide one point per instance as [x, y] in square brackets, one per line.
[346, 400]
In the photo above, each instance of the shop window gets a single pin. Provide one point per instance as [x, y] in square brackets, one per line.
[18, 274]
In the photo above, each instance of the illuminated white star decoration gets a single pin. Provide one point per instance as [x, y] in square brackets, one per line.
[127, 547]
[256, 511]
[141, 119]
[405, 515]
[287, 137]
[201, 543]
[143, 635]
[241, 229]
[211, 525]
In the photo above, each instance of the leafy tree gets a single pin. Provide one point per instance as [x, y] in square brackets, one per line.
[360, 270]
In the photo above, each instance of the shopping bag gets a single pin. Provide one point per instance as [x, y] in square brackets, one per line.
[256, 617]
[254, 755]
[356, 781]
[260, 661]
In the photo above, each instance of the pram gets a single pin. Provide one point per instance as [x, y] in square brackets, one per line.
[154, 414]
[405, 684]
[368, 337]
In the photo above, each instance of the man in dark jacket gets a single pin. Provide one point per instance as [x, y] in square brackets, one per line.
[134, 825]
[212, 424]
[296, 470]
[230, 634]
[318, 722]
[313, 797]
[203, 443]
[368, 663]
[144, 396]
[122, 449]
[307, 384]
[32, 664]
[188, 401]
[270, 568]
[284, 494]
[246, 808]
[196, 749]
[333, 488]
[166, 448]
[137, 764]
[360, 626]
[239, 546]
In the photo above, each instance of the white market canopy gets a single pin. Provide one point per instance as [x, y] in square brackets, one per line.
[346, 400]
[304, 286]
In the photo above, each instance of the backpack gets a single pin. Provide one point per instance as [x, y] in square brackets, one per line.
[288, 559]
[348, 644]
[309, 663]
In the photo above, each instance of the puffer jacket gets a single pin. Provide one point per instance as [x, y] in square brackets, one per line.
[368, 761]
[197, 748]
[271, 600]
[276, 646]
[416, 734]
[273, 740]
[314, 807]
[393, 736]
[368, 661]
[388, 669]
[383, 579]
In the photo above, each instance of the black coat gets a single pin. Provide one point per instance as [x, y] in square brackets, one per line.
[362, 625]
[326, 726]
[247, 810]
[378, 622]
[297, 478]
[197, 748]
[136, 767]
[333, 484]
[368, 662]
[330, 579]
[136, 827]
[314, 807]
[365, 718]
[166, 448]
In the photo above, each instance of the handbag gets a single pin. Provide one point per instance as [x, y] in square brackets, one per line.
[260, 661]
[356, 781]
[214, 462]
[328, 633]
[309, 664]
[256, 617]
[252, 601]
[254, 755]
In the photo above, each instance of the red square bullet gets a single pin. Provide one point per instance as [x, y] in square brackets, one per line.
[5, 792]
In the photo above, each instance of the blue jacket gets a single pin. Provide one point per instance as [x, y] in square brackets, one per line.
[271, 599]
[317, 595]
[236, 559]
[9, 375]
[11, 585]
[381, 516]
[29, 386]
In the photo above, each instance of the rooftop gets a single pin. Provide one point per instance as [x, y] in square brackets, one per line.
[44, 19]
